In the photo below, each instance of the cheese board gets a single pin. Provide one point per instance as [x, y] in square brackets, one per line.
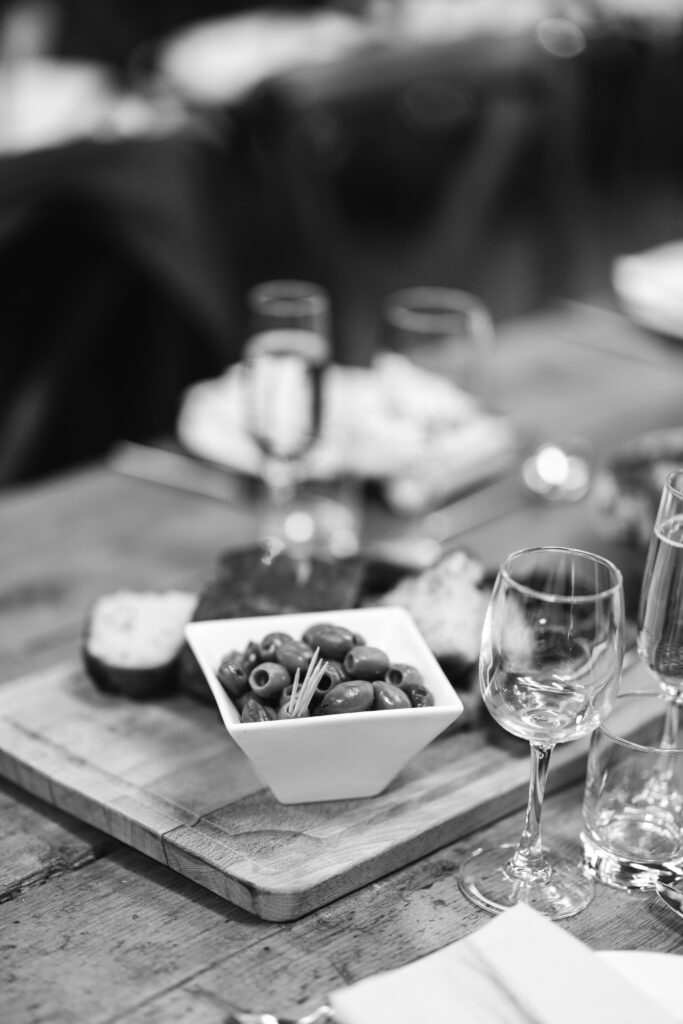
[165, 778]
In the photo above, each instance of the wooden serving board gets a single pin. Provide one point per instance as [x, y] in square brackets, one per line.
[165, 778]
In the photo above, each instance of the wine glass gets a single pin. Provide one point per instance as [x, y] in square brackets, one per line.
[550, 665]
[284, 361]
[660, 611]
[444, 330]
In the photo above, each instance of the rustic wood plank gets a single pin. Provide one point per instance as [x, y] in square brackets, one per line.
[103, 532]
[52, 745]
[38, 841]
[165, 778]
[560, 374]
[157, 949]
[132, 927]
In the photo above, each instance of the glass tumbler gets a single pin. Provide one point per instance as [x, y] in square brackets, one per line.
[285, 360]
[633, 830]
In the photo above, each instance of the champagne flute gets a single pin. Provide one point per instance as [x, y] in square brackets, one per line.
[550, 665]
[284, 360]
[660, 611]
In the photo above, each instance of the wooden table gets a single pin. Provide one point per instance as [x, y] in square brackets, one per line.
[93, 931]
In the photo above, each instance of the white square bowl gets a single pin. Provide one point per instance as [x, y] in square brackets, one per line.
[332, 757]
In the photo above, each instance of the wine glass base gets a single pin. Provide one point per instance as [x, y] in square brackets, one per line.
[314, 526]
[485, 879]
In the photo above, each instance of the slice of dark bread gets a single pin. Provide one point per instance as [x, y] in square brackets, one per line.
[256, 581]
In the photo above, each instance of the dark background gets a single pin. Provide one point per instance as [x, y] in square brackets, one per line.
[488, 163]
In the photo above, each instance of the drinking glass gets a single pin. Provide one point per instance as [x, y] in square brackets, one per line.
[660, 612]
[444, 330]
[633, 831]
[549, 669]
[284, 361]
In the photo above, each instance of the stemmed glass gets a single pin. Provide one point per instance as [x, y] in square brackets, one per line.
[284, 359]
[660, 612]
[284, 362]
[550, 665]
[443, 330]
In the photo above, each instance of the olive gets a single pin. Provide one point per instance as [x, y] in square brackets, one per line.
[334, 671]
[333, 675]
[232, 674]
[240, 701]
[359, 640]
[310, 636]
[269, 679]
[389, 697]
[270, 644]
[325, 684]
[255, 711]
[334, 641]
[285, 695]
[293, 655]
[418, 695]
[365, 662]
[351, 695]
[401, 674]
[251, 656]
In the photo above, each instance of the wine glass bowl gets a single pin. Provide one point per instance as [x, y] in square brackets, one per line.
[660, 612]
[550, 664]
[282, 304]
[444, 330]
[551, 654]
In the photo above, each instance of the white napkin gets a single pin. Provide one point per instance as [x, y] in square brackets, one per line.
[518, 968]
[649, 286]
[394, 422]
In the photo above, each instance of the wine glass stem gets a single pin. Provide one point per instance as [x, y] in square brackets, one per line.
[528, 862]
[668, 742]
[671, 718]
[280, 481]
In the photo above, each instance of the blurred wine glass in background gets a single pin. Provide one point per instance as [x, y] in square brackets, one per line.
[444, 330]
[285, 359]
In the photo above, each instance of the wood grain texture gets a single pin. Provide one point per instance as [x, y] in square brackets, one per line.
[90, 532]
[154, 948]
[165, 778]
[38, 841]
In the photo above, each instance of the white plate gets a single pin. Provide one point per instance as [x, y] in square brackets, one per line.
[648, 286]
[658, 975]
[393, 422]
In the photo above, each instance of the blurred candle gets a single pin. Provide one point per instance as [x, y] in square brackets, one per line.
[558, 473]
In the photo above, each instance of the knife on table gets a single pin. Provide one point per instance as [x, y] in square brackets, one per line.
[176, 469]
